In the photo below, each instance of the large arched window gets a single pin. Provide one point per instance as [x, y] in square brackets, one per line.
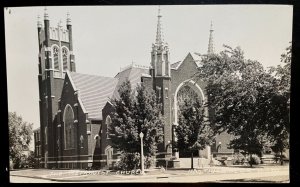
[56, 57]
[69, 127]
[65, 54]
[186, 92]
[107, 122]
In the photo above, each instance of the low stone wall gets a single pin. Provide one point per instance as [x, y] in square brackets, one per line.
[197, 162]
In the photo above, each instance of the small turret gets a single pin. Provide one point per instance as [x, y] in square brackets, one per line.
[39, 23]
[69, 27]
[210, 49]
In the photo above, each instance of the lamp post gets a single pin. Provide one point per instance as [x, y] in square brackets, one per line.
[142, 153]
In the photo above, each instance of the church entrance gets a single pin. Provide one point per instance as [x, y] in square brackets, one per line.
[186, 90]
[46, 159]
[109, 156]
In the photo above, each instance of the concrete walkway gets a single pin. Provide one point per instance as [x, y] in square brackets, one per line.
[213, 174]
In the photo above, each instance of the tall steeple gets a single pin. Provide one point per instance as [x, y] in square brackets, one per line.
[159, 35]
[160, 53]
[210, 41]
[46, 16]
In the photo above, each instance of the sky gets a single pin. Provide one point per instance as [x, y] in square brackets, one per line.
[107, 38]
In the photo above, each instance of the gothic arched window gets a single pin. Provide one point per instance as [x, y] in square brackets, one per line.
[69, 127]
[184, 93]
[65, 54]
[56, 57]
[46, 135]
[107, 122]
[97, 139]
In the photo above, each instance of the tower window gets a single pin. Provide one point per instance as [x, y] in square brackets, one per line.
[81, 141]
[107, 122]
[55, 58]
[167, 92]
[158, 93]
[46, 135]
[97, 138]
[65, 58]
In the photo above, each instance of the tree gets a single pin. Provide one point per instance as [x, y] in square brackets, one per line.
[19, 137]
[279, 129]
[134, 114]
[31, 161]
[193, 131]
[240, 92]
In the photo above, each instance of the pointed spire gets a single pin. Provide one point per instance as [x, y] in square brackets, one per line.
[59, 25]
[39, 23]
[159, 35]
[68, 19]
[210, 41]
[46, 16]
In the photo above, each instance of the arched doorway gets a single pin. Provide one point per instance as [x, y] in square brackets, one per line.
[109, 156]
[188, 89]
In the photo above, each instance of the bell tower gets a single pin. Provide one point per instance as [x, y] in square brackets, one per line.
[160, 65]
[55, 59]
[160, 72]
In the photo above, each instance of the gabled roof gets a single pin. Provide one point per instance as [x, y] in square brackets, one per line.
[37, 129]
[196, 58]
[174, 65]
[94, 92]
[132, 73]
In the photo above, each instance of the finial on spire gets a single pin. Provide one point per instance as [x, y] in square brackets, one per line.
[59, 24]
[211, 26]
[210, 41]
[46, 16]
[159, 11]
[39, 23]
[159, 35]
[68, 19]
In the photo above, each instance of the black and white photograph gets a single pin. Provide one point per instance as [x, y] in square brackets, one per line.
[149, 93]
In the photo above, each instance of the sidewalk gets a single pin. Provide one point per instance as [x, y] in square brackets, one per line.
[151, 175]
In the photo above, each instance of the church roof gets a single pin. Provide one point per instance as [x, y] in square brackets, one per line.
[195, 56]
[132, 73]
[94, 92]
[174, 65]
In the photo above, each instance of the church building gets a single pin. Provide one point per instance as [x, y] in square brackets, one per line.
[75, 108]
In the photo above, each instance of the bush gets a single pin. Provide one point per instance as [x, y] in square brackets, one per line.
[254, 160]
[238, 159]
[149, 162]
[128, 161]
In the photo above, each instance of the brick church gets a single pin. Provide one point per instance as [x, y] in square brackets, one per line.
[75, 108]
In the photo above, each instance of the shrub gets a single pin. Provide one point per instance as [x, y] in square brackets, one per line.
[149, 162]
[128, 161]
[238, 159]
[254, 160]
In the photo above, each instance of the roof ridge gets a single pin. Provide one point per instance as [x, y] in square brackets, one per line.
[92, 75]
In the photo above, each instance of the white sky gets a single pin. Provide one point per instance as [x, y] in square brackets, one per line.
[109, 37]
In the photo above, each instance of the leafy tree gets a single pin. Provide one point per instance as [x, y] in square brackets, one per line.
[148, 118]
[31, 161]
[123, 129]
[193, 131]
[134, 114]
[19, 137]
[240, 92]
[279, 127]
